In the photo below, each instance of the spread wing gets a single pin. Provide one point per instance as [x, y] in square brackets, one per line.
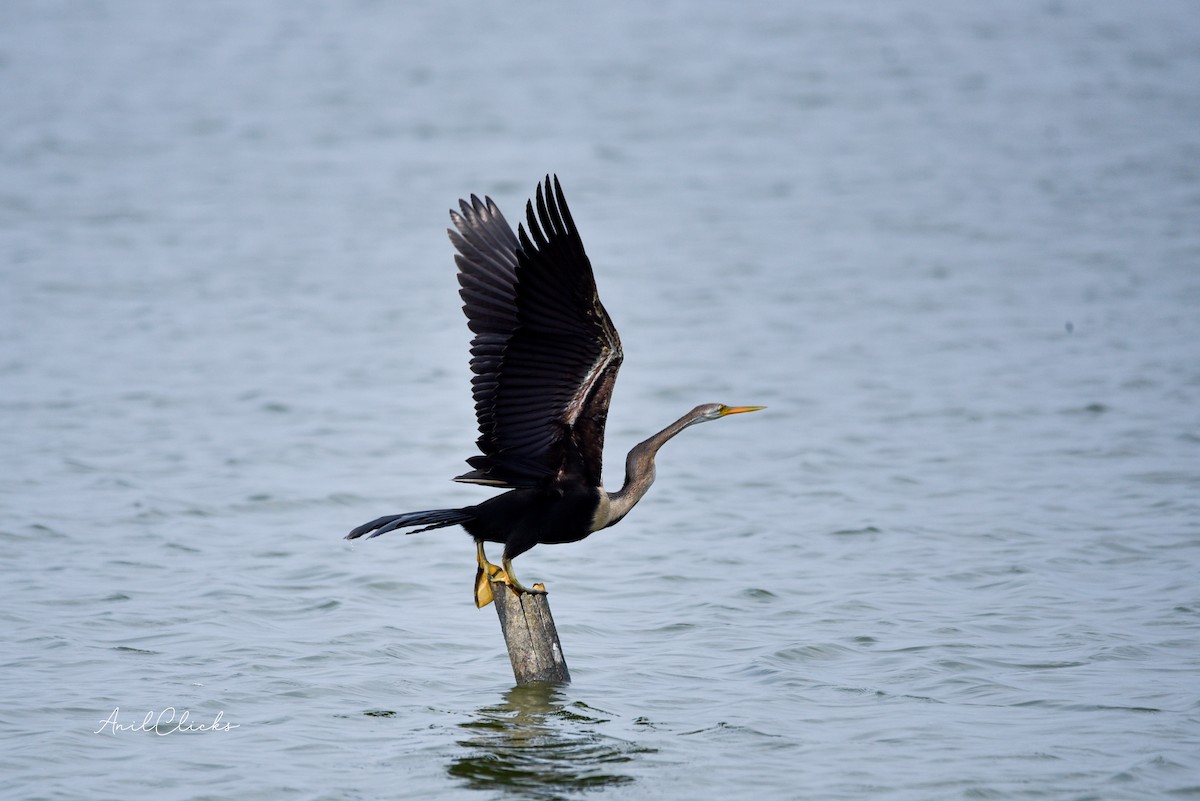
[545, 353]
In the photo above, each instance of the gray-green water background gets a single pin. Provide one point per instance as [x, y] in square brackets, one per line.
[954, 247]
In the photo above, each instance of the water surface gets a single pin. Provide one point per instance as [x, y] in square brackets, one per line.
[952, 248]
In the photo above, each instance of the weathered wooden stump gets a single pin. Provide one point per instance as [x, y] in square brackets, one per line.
[533, 646]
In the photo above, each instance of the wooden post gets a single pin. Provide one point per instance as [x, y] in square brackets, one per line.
[533, 646]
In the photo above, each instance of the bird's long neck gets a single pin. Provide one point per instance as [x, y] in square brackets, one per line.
[639, 471]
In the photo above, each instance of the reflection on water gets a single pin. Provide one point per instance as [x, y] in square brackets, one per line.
[533, 744]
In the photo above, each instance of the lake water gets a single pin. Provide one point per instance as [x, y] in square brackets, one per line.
[954, 248]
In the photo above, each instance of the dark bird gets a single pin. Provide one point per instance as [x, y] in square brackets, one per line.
[544, 356]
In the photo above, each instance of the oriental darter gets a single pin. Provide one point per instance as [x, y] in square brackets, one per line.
[544, 356]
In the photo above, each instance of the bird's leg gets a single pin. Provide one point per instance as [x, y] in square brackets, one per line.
[483, 578]
[488, 572]
[510, 578]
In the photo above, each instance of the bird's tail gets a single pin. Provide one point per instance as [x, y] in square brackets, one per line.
[434, 518]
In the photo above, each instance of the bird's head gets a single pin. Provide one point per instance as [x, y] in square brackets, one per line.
[715, 411]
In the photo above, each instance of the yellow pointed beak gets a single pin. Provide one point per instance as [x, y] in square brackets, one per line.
[727, 410]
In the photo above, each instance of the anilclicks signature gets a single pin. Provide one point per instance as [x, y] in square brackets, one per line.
[168, 721]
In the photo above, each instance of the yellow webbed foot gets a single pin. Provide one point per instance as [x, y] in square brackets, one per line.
[484, 576]
[510, 578]
[483, 589]
[488, 574]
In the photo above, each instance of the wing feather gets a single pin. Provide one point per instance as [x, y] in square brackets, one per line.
[545, 353]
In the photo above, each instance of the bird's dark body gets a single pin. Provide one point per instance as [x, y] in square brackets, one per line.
[523, 518]
[520, 518]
